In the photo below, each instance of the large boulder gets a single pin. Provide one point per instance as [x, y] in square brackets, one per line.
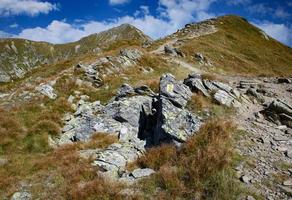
[129, 109]
[178, 93]
[279, 112]
[195, 83]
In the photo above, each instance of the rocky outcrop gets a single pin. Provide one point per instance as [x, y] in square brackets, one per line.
[203, 60]
[19, 56]
[168, 50]
[95, 72]
[279, 112]
[139, 117]
[47, 90]
[220, 92]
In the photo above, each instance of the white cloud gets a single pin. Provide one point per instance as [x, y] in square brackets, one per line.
[25, 7]
[173, 15]
[117, 2]
[56, 32]
[183, 11]
[281, 32]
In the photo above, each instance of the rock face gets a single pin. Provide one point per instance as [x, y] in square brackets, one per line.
[139, 117]
[220, 92]
[279, 112]
[178, 93]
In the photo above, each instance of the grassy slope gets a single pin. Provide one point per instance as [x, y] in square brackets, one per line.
[240, 48]
[46, 52]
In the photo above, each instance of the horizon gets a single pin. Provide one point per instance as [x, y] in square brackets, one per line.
[59, 22]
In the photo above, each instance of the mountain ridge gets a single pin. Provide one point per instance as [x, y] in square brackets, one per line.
[19, 56]
[228, 43]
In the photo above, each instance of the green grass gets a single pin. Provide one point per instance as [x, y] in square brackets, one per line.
[240, 48]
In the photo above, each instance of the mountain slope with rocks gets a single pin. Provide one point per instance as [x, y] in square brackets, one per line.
[184, 117]
[229, 44]
[18, 56]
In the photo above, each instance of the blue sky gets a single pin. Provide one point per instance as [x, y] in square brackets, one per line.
[61, 21]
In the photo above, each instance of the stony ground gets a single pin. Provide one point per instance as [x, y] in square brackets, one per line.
[265, 146]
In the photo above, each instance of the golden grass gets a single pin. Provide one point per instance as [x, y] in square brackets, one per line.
[201, 169]
[240, 48]
[99, 141]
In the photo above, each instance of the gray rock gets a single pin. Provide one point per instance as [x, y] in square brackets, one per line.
[21, 196]
[105, 124]
[178, 123]
[141, 173]
[222, 86]
[196, 85]
[248, 83]
[287, 182]
[279, 111]
[144, 90]
[47, 90]
[288, 131]
[289, 153]
[132, 54]
[178, 93]
[129, 109]
[125, 90]
[252, 92]
[116, 156]
[250, 198]
[169, 50]
[245, 178]
[226, 99]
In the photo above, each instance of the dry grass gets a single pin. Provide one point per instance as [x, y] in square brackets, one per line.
[100, 141]
[199, 103]
[158, 156]
[198, 169]
[240, 48]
